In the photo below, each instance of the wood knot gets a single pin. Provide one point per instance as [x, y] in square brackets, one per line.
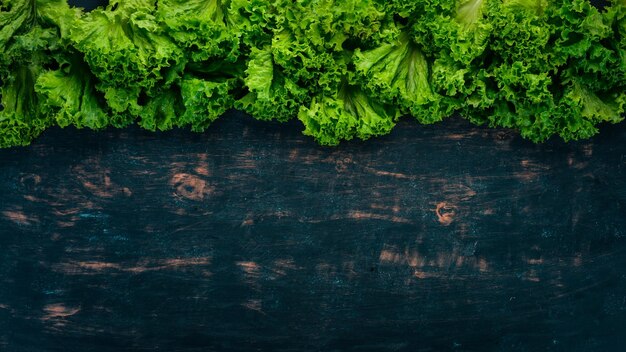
[445, 213]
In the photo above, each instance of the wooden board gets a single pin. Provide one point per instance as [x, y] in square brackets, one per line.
[252, 237]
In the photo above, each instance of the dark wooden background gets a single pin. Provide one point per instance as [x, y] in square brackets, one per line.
[252, 237]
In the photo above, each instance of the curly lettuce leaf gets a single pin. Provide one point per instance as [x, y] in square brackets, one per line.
[25, 43]
[162, 111]
[200, 27]
[399, 73]
[271, 95]
[588, 43]
[124, 44]
[346, 69]
[583, 108]
[20, 120]
[460, 29]
[306, 49]
[69, 96]
[253, 21]
[516, 78]
[552, 70]
[20, 109]
[351, 113]
[14, 15]
[193, 102]
[204, 101]
[452, 36]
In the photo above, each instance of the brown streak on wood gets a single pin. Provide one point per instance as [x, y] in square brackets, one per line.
[431, 267]
[281, 266]
[246, 160]
[254, 305]
[531, 170]
[397, 175]
[168, 264]
[65, 212]
[252, 271]
[97, 267]
[531, 275]
[457, 192]
[19, 217]
[359, 215]
[180, 262]
[203, 165]
[249, 267]
[58, 311]
[293, 154]
[411, 258]
[31, 198]
[459, 136]
[63, 224]
[455, 136]
[424, 275]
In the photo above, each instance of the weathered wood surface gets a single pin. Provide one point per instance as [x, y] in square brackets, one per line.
[251, 237]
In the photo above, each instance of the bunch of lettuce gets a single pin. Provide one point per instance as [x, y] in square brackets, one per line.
[345, 69]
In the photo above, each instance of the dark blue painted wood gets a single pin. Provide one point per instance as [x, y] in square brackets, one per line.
[88, 4]
[251, 237]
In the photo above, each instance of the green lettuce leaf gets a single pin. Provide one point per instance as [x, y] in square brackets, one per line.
[69, 96]
[271, 95]
[200, 27]
[351, 113]
[124, 44]
[20, 118]
[399, 73]
[26, 43]
[346, 69]
[204, 101]
[162, 111]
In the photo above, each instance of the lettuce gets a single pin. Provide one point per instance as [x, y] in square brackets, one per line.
[345, 69]
[271, 94]
[351, 113]
[26, 43]
[399, 73]
[69, 96]
[543, 74]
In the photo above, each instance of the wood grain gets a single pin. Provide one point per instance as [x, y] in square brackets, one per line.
[252, 237]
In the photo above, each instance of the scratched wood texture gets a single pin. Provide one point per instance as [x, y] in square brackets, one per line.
[251, 237]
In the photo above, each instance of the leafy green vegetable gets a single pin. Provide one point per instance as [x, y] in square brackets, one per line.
[399, 73]
[346, 69]
[272, 95]
[351, 113]
[26, 42]
[69, 97]
[124, 44]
